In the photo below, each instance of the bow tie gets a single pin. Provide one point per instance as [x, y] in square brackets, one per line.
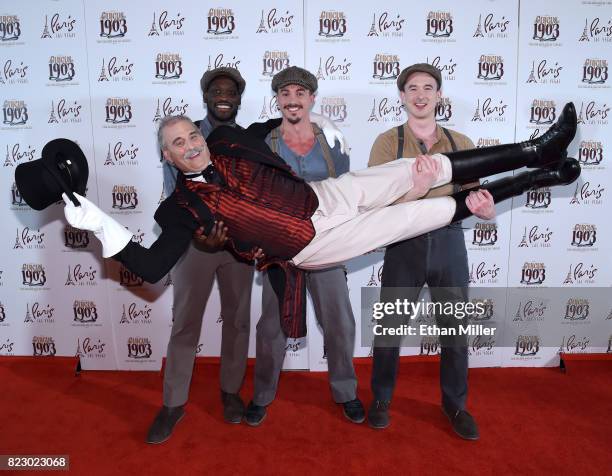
[209, 174]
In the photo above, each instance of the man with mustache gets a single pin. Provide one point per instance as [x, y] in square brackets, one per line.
[300, 143]
[438, 258]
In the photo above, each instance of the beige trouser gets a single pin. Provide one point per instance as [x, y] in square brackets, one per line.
[355, 214]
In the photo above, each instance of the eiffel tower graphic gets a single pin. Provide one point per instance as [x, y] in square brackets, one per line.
[168, 281]
[372, 281]
[580, 116]
[52, 118]
[575, 199]
[262, 26]
[568, 278]
[373, 117]
[28, 317]
[102, 76]
[523, 243]
[584, 36]
[209, 66]
[478, 32]
[109, 160]
[153, 31]
[7, 161]
[471, 278]
[18, 244]
[69, 281]
[157, 116]
[531, 78]
[79, 351]
[477, 113]
[264, 112]
[45, 33]
[124, 319]
[373, 31]
[320, 74]
[517, 316]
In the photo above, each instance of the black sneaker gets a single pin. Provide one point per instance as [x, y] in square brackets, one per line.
[354, 411]
[463, 424]
[254, 414]
[233, 407]
[164, 423]
[378, 414]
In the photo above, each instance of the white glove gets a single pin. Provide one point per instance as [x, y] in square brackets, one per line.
[113, 236]
[331, 132]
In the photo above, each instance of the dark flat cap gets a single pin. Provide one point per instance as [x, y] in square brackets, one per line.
[228, 72]
[419, 68]
[295, 75]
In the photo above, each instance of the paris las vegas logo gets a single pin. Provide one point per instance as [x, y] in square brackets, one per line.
[275, 21]
[165, 24]
[59, 26]
[90, 348]
[80, 275]
[65, 112]
[332, 68]
[597, 30]
[121, 154]
[116, 68]
[387, 25]
[489, 109]
[29, 239]
[387, 110]
[39, 313]
[491, 26]
[14, 72]
[544, 71]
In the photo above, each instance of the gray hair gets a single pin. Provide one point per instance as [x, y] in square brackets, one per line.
[168, 121]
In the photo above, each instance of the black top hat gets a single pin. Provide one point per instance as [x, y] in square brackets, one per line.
[61, 169]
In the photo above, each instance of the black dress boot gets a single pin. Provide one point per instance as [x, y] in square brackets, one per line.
[544, 151]
[565, 173]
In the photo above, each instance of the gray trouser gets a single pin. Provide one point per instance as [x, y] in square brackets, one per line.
[193, 277]
[329, 293]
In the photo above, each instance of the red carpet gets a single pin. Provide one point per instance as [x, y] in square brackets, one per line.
[532, 421]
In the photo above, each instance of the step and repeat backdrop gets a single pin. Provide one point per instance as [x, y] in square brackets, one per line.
[103, 73]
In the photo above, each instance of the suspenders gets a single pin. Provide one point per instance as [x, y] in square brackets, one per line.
[400, 140]
[331, 168]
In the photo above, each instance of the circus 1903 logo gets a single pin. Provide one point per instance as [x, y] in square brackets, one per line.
[387, 25]
[165, 24]
[335, 108]
[61, 69]
[546, 29]
[121, 154]
[385, 67]
[487, 142]
[75, 239]
[39, 313]
[139, 348]
[535, 237]
[17, 201]
[274, 62]
[439, 26]
[595, 73]
[2, 315]
[135, 314]
[490, 68]
[542, 112]
[577, 309]
[484, 309]
[430, 346]
[169, 107]
[14, 73]
[527, 346]
[59, 27]
[221, 23]
[484, 235]
[43, 346]
[10, 28]
[539, 198]
[444, 110]
[15, 113]
[114, 69]
[272, 21]
[33, 275]
[545, 72]
[15, 155]
[29, 239]
[88, 348]
[129, 279]
[79, 275]
[489, 110]
[387, 110]
[118, 112]
[333, 25]
[590, 153]
[597, 30]
[113, 26]
[84, 312]
[533, 274]
[124, 197]
[65, 112]
[581, 274]
[333, 68]
[168, 66]
[584, 236]
[491, 27]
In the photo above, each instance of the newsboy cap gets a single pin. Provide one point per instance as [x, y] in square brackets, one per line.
[226, 71]
[419, 68]
[294, 75]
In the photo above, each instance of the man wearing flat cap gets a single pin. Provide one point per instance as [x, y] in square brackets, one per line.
[438, 258]
[303, 147]
[193, 277]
